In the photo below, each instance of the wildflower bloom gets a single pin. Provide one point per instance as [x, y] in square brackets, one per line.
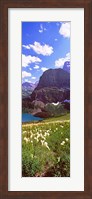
[26, 139]
[46, 144]
[35, 138]
[46, 133]
[42, 141]
[63, 142]
[31, 135]
[66, 139]
[24, 132]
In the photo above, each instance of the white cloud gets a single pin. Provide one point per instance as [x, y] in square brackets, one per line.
[60, 62]
[42, 29]
[26, 60]
[56, 39]
[26, 74]
[26, 46]
[33, 77]
[44, 69]
[26, 80]
[67, 57]
[45, 50]
[30, 68]
[36, 67]
[65, 29]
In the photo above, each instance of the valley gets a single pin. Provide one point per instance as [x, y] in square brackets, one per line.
[46, 127]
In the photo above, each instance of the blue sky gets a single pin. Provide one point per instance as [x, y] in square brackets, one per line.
[45, 45]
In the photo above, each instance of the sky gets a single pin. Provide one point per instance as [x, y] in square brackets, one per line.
[45, 45]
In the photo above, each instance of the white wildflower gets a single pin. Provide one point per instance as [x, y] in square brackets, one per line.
[42, 141]
[46, 144]
[36, 138]
[24, 132]
[66, 139]
[31, 135]
[63, 142]
[26, 139]
[46, 133]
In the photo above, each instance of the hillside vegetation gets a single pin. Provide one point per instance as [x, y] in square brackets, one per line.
[46, 148]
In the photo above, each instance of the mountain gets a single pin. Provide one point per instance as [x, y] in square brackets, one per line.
[50, 97]
[29, 85]
[27, 88]
[53, 86]
[54, 78]
[66, 66]
[36, 83]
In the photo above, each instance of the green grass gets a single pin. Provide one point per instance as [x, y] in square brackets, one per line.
[61, 118]
[46, 148]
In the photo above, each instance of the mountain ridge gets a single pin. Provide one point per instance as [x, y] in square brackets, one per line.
[54, 78]
[53, 86]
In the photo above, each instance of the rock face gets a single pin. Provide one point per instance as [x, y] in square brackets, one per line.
[49, 95]
[54, 86]
[47, 99]
[54, 78]
[66, 66]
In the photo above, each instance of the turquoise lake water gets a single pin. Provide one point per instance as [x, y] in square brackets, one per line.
[27, 117]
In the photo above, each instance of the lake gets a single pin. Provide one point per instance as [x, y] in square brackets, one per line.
[27, 117]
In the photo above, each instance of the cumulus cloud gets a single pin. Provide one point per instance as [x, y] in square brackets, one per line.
[42, 29]
[26, 80]
[60, 62]
[44, 69]
[29, 81]
[67, 57]
[26, 46]
[45, 50]
[33, 77]
[65, 29]
[26, 60]
[26, 74]
[36, 67]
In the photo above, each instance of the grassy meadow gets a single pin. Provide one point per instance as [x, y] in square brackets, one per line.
[46, 148]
